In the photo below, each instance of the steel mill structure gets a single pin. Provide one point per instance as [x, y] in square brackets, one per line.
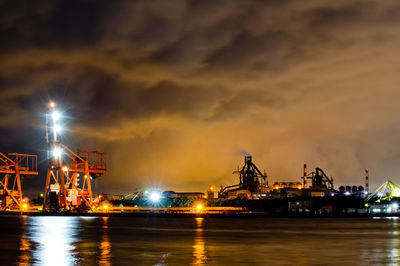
[251, 180]
[12, 168]
[69, 174]
[319, 180]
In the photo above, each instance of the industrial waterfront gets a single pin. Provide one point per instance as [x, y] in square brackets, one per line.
[199, 132]
[198, 241]
[69, 176]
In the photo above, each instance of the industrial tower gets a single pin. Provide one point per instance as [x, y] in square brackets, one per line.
[69, 174]
[250, 179]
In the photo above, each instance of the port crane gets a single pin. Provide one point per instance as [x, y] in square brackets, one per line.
[12, 168]
[67, 168]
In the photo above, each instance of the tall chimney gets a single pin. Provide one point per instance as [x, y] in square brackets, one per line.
[305, 176]
[366, 181]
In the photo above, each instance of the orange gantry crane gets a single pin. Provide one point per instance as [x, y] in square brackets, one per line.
[12, 168]
[69, 174]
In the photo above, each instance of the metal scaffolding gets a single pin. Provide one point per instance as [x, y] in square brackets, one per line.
[12, 168]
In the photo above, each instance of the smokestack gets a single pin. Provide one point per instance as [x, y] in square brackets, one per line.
[366, 181]
[305, 175]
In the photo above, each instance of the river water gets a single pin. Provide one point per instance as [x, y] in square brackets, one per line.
[198, 241]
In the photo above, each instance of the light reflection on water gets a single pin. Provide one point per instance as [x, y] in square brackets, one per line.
[54, 238]
[25, 245]
[105, 245]
[199, 247]
[199, 241]
[393, 248]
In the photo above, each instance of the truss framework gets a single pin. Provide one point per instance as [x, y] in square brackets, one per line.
[12, 168]
[387, 190]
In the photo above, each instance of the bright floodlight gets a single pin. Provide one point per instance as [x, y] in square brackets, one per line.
[347, 193]
[65, 169]
[57, 128]
[52, 104]
[56, 115]
[395, 206]
[155, 196]
[57, 152]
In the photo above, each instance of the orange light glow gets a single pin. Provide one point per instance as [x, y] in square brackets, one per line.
[199, 207]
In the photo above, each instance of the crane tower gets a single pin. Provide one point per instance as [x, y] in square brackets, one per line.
[69, 174]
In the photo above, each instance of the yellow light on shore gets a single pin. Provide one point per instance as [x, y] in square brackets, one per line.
[199, 207]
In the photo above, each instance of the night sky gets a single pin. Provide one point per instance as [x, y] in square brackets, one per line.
[177, 92]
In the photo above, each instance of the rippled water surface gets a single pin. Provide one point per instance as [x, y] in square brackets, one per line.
[197, 241]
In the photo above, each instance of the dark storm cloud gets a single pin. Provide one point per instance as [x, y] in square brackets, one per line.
[188, 83]
[334, 17]
[57, 24]
[264, 52]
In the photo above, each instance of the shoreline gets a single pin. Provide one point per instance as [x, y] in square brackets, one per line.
[201, 215]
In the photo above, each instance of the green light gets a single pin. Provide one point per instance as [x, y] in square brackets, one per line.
[146, 192]
[387, 190]
[41, 195]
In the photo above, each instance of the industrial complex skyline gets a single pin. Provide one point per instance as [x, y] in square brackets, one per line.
[176, 92]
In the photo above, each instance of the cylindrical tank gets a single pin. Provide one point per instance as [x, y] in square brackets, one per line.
[348, 188]
[360, 188]
[341, 189]
[292, 185]
[283, 184]
[354, 189]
